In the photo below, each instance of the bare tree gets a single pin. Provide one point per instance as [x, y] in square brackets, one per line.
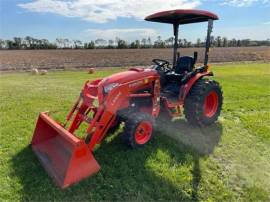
[218, 41]
[159, 43]
[171, 40]
[224, 42]
[45, 43]
[29, 41]
[2, 44]
[149, 42]
[180, 43]
[198, 43]
[60, 43]
[17, 42]
[121, 44]
[66, 43]
[100, 42]
[185, 43]
[143, 41]
[77, 44]
[110, 43]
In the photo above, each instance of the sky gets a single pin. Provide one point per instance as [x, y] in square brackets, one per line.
[91, 19]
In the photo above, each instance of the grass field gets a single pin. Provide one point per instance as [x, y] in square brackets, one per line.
[229, 161]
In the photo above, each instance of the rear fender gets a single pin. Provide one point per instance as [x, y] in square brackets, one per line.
[184, 90]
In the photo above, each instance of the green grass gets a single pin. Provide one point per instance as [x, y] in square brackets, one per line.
[229, 161]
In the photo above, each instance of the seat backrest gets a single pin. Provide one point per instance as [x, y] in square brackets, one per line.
[185, 63]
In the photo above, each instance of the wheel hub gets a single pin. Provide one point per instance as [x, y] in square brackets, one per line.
[143, 132]
[211, 104]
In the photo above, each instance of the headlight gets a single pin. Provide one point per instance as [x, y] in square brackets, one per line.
[109, 87]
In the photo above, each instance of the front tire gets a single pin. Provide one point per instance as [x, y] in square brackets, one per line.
[138, 130]
[115, 125]
[204, 102]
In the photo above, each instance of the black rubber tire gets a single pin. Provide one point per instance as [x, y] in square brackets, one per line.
[117, 125]
[194, 102]
[131, 124]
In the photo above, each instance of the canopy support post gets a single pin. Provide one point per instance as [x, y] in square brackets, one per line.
[208, 41]
[175, 30]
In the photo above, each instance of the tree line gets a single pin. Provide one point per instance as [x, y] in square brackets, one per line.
[61, 43]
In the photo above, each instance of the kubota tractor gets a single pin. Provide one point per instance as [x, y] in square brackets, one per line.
[136, 97]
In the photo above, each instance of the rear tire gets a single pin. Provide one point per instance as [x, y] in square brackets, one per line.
[138, 129]
[204, 102]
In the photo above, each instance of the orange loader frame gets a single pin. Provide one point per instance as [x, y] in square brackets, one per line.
[68, 158]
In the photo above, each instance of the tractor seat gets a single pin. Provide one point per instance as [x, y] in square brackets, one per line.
[184, 64]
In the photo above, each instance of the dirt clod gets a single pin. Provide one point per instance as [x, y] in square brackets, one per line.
[91, 71]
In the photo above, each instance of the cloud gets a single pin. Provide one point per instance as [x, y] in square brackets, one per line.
[267, 23]
[127, 34]
[244, 3]
[101, 11]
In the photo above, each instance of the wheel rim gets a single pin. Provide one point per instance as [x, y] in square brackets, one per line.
[143, 132]
[211, 104]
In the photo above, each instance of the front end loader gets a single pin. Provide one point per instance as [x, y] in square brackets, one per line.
[68, 158]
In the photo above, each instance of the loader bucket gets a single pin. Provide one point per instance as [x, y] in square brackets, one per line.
[66, 158]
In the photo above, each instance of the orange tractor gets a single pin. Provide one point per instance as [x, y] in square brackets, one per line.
[136, 97]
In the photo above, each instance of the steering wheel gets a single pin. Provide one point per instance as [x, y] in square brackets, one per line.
[162, 65]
